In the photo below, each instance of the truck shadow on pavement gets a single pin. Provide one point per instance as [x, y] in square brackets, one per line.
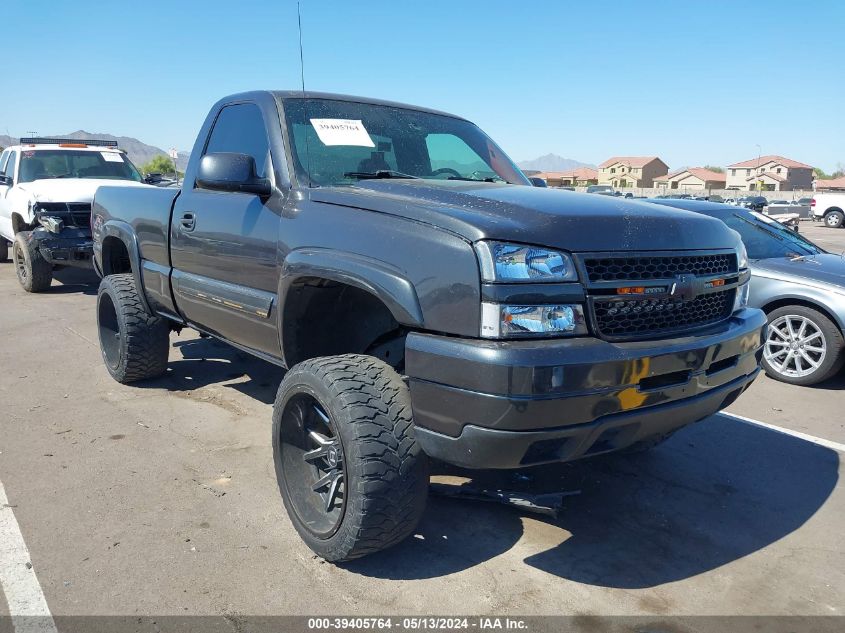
[716, 492]
[207, 361]
[71, 280]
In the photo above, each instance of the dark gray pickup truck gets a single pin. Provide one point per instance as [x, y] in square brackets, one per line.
[426, 300]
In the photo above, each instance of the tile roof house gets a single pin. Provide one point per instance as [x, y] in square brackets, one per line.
[631, 171]
[582, 176]
[769, 173]
[829, 184]
[697, 178]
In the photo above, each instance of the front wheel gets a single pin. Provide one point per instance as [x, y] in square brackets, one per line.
[834, 219]
[352, 476]
[803, 346]
[35, 273]
[134, 344]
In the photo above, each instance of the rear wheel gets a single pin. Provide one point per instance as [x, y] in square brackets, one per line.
[134, 344]
[35, 273]
[352, 476]
[834, 219]
[803, 346]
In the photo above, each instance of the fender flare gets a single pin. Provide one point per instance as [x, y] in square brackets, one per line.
[126, 234]
[383, 281]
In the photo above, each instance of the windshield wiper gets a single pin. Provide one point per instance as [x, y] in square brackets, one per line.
[381, 173]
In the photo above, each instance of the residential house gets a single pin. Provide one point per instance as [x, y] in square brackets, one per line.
[691, 178]
[829, 184]
[631, 171]
[581, 177]
[769, 173]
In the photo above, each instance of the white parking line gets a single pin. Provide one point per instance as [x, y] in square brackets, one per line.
[804, 436]
[27, 604]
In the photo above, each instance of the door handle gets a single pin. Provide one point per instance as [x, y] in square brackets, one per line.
[188, 221]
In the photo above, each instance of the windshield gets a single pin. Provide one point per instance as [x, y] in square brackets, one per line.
[66, 163]
[765, 238]
[342, 142]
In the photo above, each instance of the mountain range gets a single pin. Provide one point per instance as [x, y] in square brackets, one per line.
[138, 152]
[552, 162]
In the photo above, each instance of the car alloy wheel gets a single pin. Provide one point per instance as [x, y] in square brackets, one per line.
[795, 346]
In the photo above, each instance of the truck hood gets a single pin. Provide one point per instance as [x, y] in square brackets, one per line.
[826, 269]
[534, 215]
[71, 189]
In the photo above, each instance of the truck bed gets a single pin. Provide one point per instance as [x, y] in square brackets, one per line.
[146, 210]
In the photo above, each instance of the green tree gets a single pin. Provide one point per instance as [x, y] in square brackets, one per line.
[160, 164]
[819, 173]
[718, 170]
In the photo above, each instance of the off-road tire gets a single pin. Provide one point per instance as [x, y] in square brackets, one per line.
[142, 340]
[834, 219]
[386, 472]
[834, 358]
[35, 273]
[4, 249]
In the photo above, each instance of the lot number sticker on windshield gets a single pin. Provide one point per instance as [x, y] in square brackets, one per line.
[342, 132]
[112, 157]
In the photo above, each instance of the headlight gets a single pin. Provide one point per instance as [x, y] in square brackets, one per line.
[500, 261]
[511, 321]
[742, 293]
[741, 256]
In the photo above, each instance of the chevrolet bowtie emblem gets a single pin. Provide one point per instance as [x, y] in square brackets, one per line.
[684, 287]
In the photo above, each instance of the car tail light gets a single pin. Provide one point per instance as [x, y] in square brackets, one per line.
[813, 202]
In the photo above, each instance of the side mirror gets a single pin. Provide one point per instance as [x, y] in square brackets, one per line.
[6, 181]
[538, 182]
[228, 171]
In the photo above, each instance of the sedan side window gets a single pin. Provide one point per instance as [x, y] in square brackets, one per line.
[240, 128]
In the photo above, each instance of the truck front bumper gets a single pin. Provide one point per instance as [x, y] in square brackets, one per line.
[507, 404]
[70, 247]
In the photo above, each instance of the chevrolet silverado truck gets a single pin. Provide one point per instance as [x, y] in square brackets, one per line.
[46, 188]
[426, 301]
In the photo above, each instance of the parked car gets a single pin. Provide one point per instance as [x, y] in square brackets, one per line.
[778, 203]
[799, 286]
[829, 208]
[422, 311]
[757, 203]
[46, 188]
[606, 190]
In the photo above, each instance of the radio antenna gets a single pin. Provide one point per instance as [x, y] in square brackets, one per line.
[304, 97]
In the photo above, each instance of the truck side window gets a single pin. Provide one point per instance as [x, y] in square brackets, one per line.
[10, 165]
[240, 128]
[3, 157]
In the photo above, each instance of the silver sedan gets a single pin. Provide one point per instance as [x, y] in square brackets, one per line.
[800, 287]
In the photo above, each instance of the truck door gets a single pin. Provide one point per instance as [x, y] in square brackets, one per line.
[224, 244]
[7, 168]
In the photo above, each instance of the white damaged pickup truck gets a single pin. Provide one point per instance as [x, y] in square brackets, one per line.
[46, 189]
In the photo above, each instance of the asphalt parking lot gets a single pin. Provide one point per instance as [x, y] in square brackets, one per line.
[161, 498]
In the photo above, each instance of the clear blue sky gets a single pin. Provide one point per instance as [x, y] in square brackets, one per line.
[695, 83]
